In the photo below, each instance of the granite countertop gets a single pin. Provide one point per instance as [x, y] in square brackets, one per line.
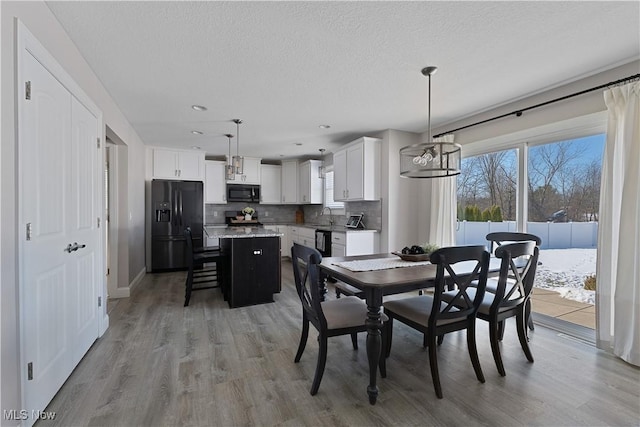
[239, 232]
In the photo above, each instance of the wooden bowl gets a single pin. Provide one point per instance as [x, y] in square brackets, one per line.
[412, 257]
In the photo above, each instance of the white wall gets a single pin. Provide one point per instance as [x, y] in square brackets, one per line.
[578, 106]
[40, 21]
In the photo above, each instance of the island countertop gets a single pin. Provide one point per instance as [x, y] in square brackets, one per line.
[239, 232]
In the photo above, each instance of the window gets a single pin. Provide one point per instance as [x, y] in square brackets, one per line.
[328, 194]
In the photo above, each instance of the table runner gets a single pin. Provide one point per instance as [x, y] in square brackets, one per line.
[377, 264]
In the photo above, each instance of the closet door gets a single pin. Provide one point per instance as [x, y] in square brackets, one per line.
[59, 236]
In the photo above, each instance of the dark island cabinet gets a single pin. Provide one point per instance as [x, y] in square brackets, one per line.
[254, 272]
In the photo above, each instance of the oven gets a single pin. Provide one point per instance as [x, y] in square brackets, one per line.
[323, 242]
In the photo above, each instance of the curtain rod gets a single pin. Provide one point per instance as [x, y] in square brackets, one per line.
[519, 112]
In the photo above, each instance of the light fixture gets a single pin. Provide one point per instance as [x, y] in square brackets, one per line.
[430, 159]
[199, 107]
[324, 126]
[322, 171]
[197, 132]
[231, 171]
[238, 161]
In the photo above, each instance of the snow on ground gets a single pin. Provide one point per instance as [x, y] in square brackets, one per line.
[564, 271]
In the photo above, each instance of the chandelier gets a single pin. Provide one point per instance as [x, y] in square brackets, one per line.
[430, 159]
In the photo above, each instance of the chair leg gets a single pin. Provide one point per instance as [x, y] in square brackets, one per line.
[494, 338]
[337, 293]
[354, 340]
[303, 338]
[501, 330]
[433, 363]
[187, 286]
[440, 339]
[528, 315]
[322, 360]
[473, 350]
[382, 362]
[388, 330]
[522, 335]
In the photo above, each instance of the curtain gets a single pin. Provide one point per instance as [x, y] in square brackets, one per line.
[618, 263]
[441, 229]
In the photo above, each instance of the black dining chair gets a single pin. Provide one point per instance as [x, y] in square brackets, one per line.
[198, 275]
[499, 238]
[344, 316]
[512, 292]
[457, 268]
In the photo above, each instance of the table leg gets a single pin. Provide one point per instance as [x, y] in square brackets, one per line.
[374, 340]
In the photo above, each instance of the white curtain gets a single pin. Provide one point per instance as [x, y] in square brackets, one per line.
[618, 263]
[441, 228]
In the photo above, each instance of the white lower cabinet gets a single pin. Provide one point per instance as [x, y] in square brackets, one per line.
[349, 243]
[214, 241]
[303, 236]
[285, 244]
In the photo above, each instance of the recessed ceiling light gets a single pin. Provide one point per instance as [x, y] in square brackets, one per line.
[195, 147]
[197, 132]
[298, 143]
[199, 107]
[324, 126]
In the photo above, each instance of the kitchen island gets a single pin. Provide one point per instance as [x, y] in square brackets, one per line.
[253, 271]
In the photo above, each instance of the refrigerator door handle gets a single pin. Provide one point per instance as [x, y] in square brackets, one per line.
[174, 201]
[180, 207]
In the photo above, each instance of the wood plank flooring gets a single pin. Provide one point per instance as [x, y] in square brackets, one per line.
[161, 364]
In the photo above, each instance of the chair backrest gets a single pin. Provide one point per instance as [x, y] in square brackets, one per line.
[189, 240]
[501, 237]
[306, 274]
[516, 278]
[457, 268]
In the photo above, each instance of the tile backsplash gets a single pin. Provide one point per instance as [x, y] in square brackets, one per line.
[286, 214]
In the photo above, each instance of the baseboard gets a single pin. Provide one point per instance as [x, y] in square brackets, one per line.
[136, 280]
[125, 292]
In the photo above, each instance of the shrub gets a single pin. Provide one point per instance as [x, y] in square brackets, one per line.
[496, 213]
[590, 283]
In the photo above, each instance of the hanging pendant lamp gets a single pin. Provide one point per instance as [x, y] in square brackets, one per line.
[238, 161]
[322, 171]
[231, 171]
[430, 159]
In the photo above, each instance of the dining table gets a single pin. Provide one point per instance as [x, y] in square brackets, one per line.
[378, 275]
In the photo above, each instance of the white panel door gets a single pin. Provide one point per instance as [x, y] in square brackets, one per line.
[57, 181]
[83, 226]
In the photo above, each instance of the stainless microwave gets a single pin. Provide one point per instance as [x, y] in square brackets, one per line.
[243, 193]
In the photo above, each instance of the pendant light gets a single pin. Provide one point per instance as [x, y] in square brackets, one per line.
[238, 161]
[231, 172]
[322, 171]
[430, 159]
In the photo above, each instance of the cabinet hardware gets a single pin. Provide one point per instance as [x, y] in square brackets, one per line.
[30, 371]
[28, 231]
[27, 90]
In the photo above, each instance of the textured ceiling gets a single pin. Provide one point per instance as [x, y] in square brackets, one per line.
[285, 68]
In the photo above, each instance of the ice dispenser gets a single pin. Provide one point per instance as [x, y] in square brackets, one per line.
[163, 212]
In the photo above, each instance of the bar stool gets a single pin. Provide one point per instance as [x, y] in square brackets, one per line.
[212, 277]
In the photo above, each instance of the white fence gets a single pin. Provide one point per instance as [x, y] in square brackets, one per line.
[554, 235]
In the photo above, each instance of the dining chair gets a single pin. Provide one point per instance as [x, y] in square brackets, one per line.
[344, 316]
[197, 274]
[499, 238]
[457, 267]
[512, 292]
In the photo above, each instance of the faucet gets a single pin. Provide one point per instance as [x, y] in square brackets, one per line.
[330, 215]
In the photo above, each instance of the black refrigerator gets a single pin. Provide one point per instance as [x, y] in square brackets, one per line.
[174, 206]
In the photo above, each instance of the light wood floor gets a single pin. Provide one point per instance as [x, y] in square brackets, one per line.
[206, 365]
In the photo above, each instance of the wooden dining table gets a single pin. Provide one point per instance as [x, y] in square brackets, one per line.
[376, 284]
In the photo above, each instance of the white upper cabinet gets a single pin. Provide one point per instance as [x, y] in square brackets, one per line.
[175, 164]
[356, 170]
[309, 183]
[290, 182]
[271, 184]
[250, 172]
[215, 186]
